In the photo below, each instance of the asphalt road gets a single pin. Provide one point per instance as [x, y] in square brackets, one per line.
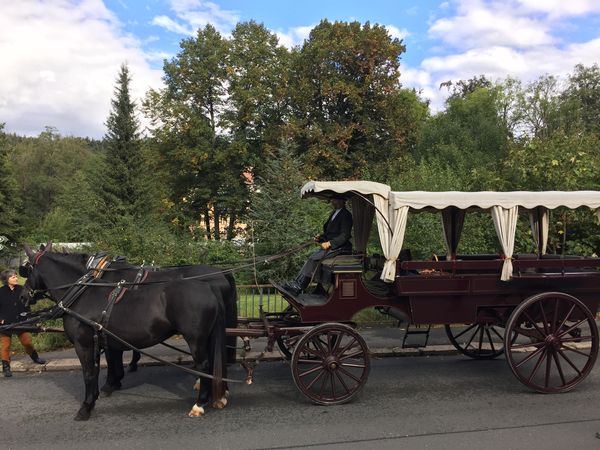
[413, 402]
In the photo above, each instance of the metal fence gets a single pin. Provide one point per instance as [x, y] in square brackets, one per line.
[251, 296]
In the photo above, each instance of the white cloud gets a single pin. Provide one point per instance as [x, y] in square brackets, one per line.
[294, 36]
[197, 14]
[169, 24]
[396, 32]
[60, 60]
[499, 39]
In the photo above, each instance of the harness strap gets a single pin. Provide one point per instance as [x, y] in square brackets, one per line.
[98, 327]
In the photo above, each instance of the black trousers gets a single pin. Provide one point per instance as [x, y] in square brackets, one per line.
[311, 270]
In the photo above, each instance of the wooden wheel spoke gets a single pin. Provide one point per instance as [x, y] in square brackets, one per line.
[548, 367]
[574, 350]
[578, 339]
[531, 344]
[559, 367]
[332, 378]
[546, 329]
[538, 364]
[465, 331]
[568, 360]
[310, 361]
[352, 355]
[339, 377]
[356, 366]
[481, 327]
[529, 357]
[348, 374]
[566, 319]
[323, 384]
[310, 351]
[533, 323]
[555, 318]
[315, 379]
[337, 344]
[496, 332]
[309, 371]
[489, 335]
[471, 340]
[351, 344]
[319, 345]
[571, 328]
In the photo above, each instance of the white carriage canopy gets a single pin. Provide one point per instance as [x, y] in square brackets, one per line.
[504, 207]
[393, 207]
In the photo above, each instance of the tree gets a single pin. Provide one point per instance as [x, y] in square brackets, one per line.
[582, 96]
[343, 77]
[125, 191]
[9, 198]
[196, 161]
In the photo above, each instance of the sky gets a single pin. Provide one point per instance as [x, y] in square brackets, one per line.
[59, 59]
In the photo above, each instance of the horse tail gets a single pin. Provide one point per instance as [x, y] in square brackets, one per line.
[218, 348]
[231, 317]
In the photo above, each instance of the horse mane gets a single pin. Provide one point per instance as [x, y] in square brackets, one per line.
[73, 260]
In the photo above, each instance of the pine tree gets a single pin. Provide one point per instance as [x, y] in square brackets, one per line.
[124, 186]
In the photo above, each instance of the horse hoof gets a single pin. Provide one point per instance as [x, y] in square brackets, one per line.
[222, 402]
[82, 415]
[196, 411]
[107, 390]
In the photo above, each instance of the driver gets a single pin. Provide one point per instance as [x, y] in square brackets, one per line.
[334, 240]
[10, 312]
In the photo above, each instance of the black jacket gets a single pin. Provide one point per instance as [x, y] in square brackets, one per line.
[338, 231]
[10, 304]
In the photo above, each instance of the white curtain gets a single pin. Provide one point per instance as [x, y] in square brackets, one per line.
[539, 217]
[453, 220]
[398, 222]
[505, 222]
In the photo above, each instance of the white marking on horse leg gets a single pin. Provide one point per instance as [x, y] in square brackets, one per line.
[196, 411]
[222, 402]
[197, 384]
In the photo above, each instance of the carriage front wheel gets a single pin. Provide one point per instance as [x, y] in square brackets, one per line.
[330, 364]
[551, 342]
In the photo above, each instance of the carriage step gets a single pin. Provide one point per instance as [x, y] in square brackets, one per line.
[417, 330]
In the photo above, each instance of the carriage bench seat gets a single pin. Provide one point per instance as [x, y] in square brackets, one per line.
[343, 264]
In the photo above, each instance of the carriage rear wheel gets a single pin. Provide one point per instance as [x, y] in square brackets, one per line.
[286, 344]
[330, 364]
[478, 340]
[551, 342]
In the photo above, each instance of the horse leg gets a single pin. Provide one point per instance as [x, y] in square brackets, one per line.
[133, 364]
[114, 372]
[90, 366]
[202, 385]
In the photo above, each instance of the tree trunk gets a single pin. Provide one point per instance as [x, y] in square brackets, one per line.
[231, 225]
[207, 223]
[216, 228]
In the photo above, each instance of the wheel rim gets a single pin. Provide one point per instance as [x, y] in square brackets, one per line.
[478, 340]
[286, 344]
[554, 342]
[330, 364]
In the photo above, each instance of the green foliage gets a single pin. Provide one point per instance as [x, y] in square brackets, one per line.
[279, 219]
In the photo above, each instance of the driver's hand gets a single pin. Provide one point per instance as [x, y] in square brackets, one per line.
[326, 245]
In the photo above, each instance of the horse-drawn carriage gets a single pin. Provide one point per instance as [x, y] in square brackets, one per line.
[539, 309]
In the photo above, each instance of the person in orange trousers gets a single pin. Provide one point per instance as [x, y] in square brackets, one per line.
[11, 308]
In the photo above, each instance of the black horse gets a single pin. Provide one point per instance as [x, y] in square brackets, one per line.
[197, 302]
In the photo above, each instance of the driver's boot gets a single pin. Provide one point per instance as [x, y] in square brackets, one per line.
[6, 369]
[36, 358]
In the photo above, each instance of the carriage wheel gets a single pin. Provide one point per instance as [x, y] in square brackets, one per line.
[478, 340]
[551, 342]
[330, 364]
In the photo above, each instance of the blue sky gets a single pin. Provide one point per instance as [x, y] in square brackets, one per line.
[60, 57]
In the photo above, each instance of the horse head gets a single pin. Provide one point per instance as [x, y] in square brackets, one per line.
[46, 269]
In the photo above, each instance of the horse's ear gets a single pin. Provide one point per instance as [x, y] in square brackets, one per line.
[49, 246]
[30, 253]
